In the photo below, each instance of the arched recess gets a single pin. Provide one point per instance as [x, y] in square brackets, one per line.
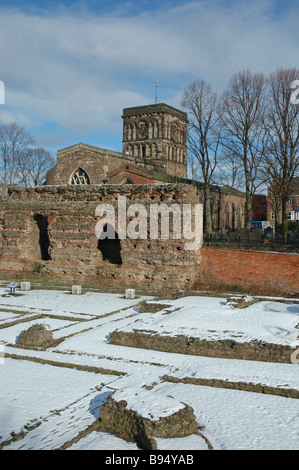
[79, 176]
[234, 216]
[239, 217]
[44, 242]
[127, 180]
[228, 216]
[110, 247]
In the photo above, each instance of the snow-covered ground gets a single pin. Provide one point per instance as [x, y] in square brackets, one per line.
[215, 318]
[52, 402]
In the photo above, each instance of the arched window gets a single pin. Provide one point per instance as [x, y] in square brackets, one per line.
[130, 149]
[79, 177]
[127, 181]
[142, 151]
[150, 130]
[233, 216]
[239, 217]
[228, 216]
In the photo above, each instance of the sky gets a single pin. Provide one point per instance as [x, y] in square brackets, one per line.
[69, 68]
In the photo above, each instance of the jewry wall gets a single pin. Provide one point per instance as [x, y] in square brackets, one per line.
[49, 232]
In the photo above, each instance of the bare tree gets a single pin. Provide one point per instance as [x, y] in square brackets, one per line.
[14, 141]
[34, 164]
[241, 111]
[20, 163]
[229, 171]
[193, 167]
[282, 128]
[274, 198]
[200, 101]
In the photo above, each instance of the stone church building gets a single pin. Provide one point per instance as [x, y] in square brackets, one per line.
[154, 151]
[154, 140]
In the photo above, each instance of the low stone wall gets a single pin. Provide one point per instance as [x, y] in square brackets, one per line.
[263, 273]
[118, 419]
[243, 386]
[228, 349]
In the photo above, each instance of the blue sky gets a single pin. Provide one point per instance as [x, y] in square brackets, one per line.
[70, 68]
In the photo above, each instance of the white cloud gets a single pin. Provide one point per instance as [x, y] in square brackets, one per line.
[80, 71]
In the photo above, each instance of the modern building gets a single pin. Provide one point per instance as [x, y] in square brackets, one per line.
[274, 205]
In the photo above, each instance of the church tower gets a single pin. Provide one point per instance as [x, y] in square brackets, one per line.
[156, 136]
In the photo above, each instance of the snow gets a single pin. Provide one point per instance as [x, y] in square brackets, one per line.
[236, 420]
[37, 391]
[52, 402]
[215, 318]
[61, 302]
[102, 441]
[143, 403]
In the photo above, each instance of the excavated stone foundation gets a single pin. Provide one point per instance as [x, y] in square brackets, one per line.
[229, 349]
[143, 415]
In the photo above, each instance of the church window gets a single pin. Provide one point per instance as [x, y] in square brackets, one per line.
[142, 151]
[128, 181]
[239, 216]
[79, 177]
[228, 216]
[142, 132]
[150, 130]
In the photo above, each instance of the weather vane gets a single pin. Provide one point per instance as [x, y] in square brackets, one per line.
[156, 100]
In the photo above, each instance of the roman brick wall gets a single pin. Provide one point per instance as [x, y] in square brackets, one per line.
[48, 233]
[263, 273]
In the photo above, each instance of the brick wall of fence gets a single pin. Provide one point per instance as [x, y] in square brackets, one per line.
[263, 273]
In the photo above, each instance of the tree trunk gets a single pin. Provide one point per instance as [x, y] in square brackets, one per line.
[285, 220]
[248, 201]
[208, 215]
[277, 218]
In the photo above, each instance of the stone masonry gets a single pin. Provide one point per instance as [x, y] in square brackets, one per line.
[49, 231]
[154, 139]
[157, 133]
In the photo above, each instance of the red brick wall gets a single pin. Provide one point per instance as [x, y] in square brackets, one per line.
[262, 273]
